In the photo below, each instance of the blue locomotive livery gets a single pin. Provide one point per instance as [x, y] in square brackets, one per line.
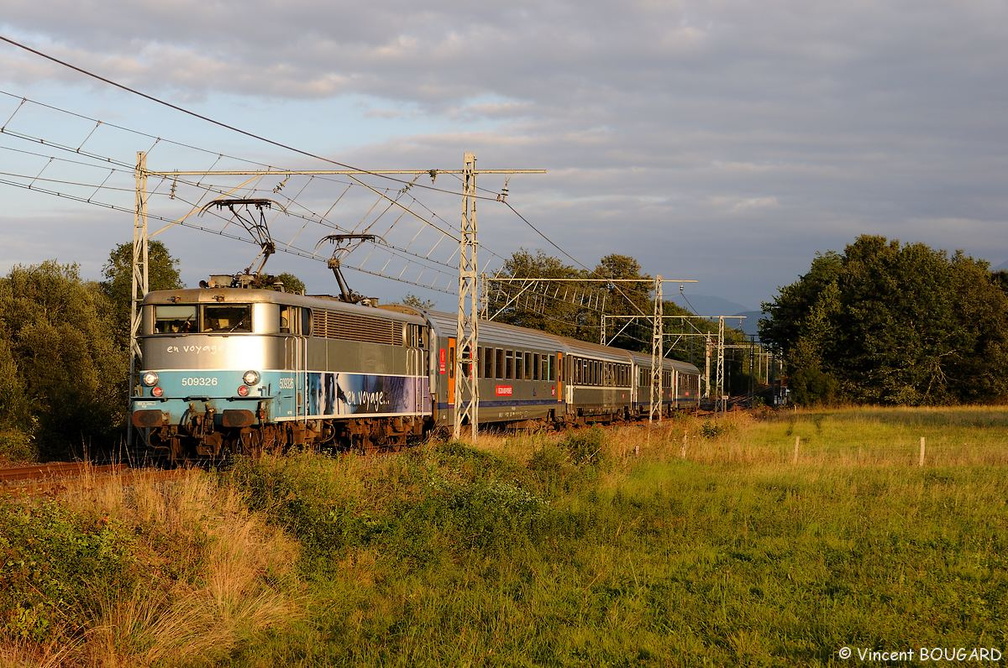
[234, 369]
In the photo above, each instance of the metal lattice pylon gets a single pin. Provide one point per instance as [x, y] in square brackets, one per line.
[657, 353]
[466, 332]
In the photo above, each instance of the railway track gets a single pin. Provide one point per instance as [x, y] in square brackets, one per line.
[42, 479]
[51, 471]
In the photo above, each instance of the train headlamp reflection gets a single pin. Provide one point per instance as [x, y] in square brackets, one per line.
[250, 377]
[150, 379]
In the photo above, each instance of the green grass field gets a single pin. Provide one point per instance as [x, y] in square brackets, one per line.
[701, 541]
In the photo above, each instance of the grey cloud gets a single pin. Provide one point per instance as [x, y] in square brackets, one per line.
[730, 140]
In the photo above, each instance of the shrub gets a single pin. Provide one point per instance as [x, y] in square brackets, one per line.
[53, 562]
[586, 447]
[16, 446]
[711, 430]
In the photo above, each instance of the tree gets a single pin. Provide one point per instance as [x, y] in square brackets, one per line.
[416, 302]
[162, 274]
[545, 307]
[70, 370]
[629, 294]
[291, 283]
[16, 423]
[892, 324]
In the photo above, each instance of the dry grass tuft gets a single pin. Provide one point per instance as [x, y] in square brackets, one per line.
[218, 575]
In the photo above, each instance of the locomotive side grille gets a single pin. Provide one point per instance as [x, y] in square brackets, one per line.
[333, 325]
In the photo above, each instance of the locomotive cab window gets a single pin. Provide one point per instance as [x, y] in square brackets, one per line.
[287, 319]
[414, 336]
[227, 318]
[174, 318]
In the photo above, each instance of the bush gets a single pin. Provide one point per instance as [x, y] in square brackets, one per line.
[52, 564]
[586, 447]
[710, 430]
[16, 446]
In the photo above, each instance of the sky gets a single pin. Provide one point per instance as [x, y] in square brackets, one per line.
[725, 141]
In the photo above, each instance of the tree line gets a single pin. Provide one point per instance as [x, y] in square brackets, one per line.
[892, 324]
[617, 286]
[64, 353]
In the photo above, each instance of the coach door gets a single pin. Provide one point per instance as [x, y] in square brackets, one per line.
[559, 377]
[416, 362]
[450, 373]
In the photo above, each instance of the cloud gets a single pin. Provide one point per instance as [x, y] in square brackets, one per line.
[726, 140]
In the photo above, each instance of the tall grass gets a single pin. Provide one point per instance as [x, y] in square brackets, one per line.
[698, 541]
[618, 549]
[131, 572]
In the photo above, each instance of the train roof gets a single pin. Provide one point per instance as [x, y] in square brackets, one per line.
[644, 360]
[228, 295]
[496, 333]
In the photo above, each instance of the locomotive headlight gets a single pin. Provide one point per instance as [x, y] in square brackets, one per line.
[250, 377]
[150, 379]
[243, 390]
[157, 391]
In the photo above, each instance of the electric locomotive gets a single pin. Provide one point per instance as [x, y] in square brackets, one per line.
[237, 369]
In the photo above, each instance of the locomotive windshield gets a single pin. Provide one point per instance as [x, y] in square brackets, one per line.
[188, 318]
[174, 319]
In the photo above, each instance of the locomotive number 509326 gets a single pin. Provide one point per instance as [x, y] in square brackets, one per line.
[199, 381]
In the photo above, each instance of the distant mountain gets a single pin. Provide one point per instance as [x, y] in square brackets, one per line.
[749, 325]
[708, 305]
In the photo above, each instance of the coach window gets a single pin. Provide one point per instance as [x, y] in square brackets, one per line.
[508, 364]
[499, 363]
[174, 319]
[487, 356]
[519, 366]
[536, 366]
